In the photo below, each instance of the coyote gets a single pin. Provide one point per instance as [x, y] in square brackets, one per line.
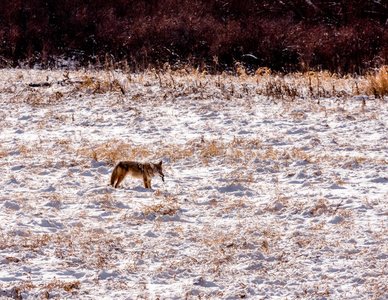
[138, 170]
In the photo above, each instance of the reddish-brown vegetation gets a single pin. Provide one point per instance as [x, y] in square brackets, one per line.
[339, 36]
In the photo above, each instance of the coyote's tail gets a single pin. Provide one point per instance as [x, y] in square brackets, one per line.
[113, 178]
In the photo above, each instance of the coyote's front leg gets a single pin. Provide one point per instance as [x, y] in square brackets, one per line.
[147, 183]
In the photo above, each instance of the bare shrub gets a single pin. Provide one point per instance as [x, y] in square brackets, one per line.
[209, 35]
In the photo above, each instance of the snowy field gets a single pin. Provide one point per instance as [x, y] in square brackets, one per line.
[275, 187]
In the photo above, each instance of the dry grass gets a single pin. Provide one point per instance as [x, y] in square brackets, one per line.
[68, 286]
[228, 234]
[197, 85]
[378, 82]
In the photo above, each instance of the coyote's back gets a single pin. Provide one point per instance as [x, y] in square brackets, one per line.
[138, 170]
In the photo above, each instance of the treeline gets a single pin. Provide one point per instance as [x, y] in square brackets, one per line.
[344, 36]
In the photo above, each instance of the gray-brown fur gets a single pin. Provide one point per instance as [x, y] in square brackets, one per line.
[146, 171]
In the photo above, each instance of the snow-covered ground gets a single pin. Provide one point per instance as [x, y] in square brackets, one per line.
[275, 187]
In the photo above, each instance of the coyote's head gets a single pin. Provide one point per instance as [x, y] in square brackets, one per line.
[158, 170]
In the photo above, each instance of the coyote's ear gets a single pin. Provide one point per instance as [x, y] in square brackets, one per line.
[161, 162]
